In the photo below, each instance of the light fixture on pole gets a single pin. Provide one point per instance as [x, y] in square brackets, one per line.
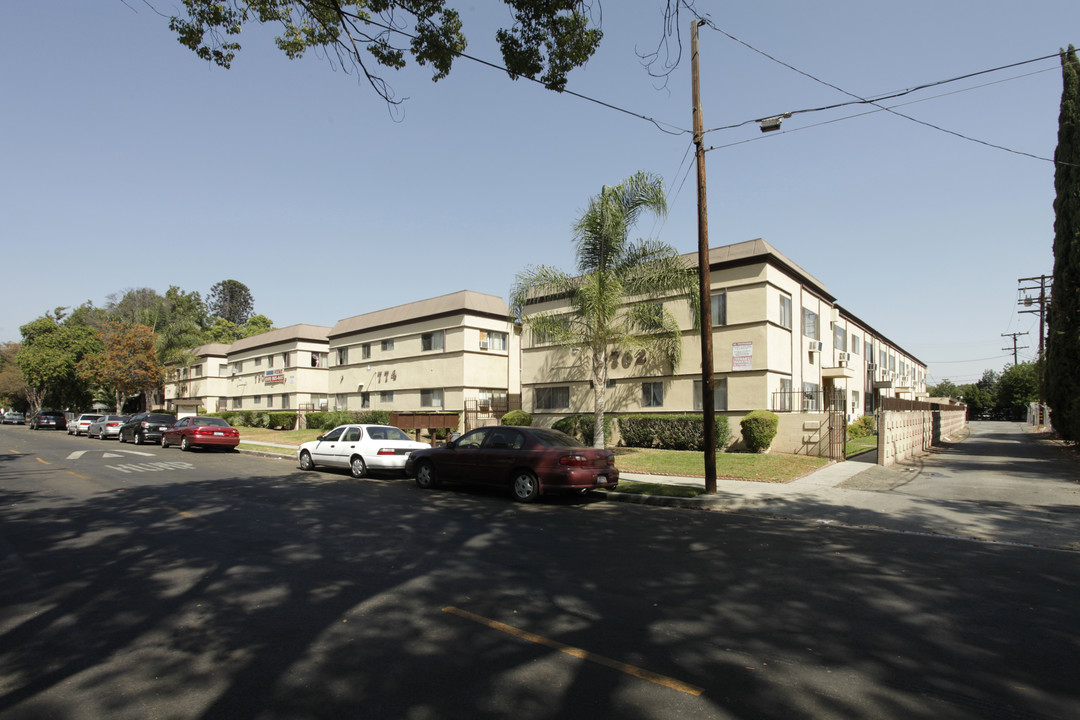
[772, 123]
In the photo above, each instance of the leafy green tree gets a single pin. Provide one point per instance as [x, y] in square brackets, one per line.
[231, 300]
[1018, 386]
[257, 325]
[1063, 337]
[944, 389]
[142, 306]
[48, 357]
[976, 398]
[128, 363]
[548, 38]
[12, 385]
[612, 271]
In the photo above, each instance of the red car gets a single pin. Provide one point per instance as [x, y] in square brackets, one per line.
[206, 432]
[526, 460]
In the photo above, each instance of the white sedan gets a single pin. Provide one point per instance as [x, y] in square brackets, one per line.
[360, 448]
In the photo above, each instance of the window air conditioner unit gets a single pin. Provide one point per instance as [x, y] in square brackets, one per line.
[815, 346]
[483, 344]
[871, 366]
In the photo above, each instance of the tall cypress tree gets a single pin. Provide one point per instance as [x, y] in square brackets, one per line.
[1063, 341]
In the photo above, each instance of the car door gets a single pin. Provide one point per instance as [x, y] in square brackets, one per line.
[498, 456]
[345, 447]
[177, 431]
[459, 462]
[324, 451]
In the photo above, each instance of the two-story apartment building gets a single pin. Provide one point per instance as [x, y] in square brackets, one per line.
[283, 369]
[202, 383]
[780, 342]
[443, 353]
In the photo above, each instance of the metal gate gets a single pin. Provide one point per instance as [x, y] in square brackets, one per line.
[837, 419]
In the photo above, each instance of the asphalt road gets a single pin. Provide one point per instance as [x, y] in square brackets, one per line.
[209, 585]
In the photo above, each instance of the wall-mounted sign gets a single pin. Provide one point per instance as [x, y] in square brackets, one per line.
[277, 375]
[742, 356]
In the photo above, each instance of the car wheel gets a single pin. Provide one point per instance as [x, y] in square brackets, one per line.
[137, 438]
[306, 462]
[357, 467]
[102, 435]
[525, 486]
[184, 444]
[426, 477]
[164, 442]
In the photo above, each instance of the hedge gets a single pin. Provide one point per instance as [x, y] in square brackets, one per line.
[759, 429]
[583, 427]
[671, 432]
[516, 417]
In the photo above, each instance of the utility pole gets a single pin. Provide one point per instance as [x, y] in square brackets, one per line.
[1014, 347]
[1042, 301]
[708, 405]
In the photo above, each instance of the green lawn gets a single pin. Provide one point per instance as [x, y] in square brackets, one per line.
[861, 445]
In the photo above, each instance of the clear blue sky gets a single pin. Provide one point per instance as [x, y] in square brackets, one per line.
[128, 162]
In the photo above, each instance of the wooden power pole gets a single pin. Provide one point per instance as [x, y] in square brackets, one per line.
[708, 405]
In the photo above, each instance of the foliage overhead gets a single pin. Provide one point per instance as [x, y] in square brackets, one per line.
[128, 363]
[615, 302]
[546, 40]
[1063, 336]
[231, 300]
[50, 352]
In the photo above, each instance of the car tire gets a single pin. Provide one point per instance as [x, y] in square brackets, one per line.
[164, 442]
[184, 444]
[357, 467]
[101, 436]
[524, 486]
[137, 438]
[426, 476]
[306, 463]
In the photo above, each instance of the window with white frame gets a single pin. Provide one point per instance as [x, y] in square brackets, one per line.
[343, 356]
[431, 341]
[719, 392]
[492, 340]
[386, 396]
[811, 397]
[785, 311]
[551, 398]
[810, 324]
[840, 338]
[432, 398]
[652, 393]
[855, 344]
[719, 309]
[785, 395]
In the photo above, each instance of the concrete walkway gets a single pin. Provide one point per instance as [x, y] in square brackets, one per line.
[1002, 483]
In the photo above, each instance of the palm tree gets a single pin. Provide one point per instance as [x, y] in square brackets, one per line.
[614, 298]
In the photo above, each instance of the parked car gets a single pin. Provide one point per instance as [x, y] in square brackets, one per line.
[106, 426]
[145, 427]
[526, 460]
[203, 432]
[360, 448]
[81, 424]
[48, 419]
[14, 417]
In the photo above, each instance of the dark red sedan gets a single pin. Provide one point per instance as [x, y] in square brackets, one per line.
[206, 432]
[528, 461]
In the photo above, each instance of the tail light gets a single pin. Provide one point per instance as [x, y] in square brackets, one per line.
[112, 424]
[387, 451]
[574, 460]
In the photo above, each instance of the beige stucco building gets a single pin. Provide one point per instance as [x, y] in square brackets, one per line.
[201, 384]
[455, 352]
[282, 369]
[780, 342]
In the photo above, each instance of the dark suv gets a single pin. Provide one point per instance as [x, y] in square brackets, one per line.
[145, 428]
[47, 419]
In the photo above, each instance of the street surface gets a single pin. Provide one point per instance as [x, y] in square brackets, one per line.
[219, 585]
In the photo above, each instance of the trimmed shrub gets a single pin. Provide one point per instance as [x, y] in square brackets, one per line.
[863, 427]
[281, 420]
[516, 417]
[373, 417]
[583, 426]
[759, 429]
[671, 432]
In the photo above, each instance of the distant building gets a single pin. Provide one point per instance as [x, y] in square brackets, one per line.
[201, 384]
[282, 369]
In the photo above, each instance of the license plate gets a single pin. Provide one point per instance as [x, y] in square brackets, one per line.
[601, 478]
[219, 433]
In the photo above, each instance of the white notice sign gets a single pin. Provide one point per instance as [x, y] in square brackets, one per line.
[742, 356]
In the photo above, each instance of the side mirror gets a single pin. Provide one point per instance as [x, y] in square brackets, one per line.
[451, 444]
[319, 439]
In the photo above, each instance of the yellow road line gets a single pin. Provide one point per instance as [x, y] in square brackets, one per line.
[182, 513]
[81, 477]
[42, 461]
[14, 452]
[578, 652]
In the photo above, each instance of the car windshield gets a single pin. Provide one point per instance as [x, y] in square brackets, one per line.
[210, 422]
[554, 438]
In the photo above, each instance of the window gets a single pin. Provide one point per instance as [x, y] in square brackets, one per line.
[365, 351]
[258, 399]
[196, 371]
[333, 434]
[365, 400]
[258, 362]
[811, 399]
[883, 358]
[719, 392]
[386, 396]
[551, 398]
[269, 401]
[855, 344]
[810, 324]
[840, 338]
[785, 395]
[238, 367]
[285, 400]
[387, 345]
[432, 340]
[351, 434]
[343, 356]
[652, 393]
[892, 363]
[785, 311]
[719, 309]
[431, 398]
[492, 340]
[236, 403]
[285, 362]
[854, 400]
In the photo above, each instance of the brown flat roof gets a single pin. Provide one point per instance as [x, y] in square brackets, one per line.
[463, 301]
